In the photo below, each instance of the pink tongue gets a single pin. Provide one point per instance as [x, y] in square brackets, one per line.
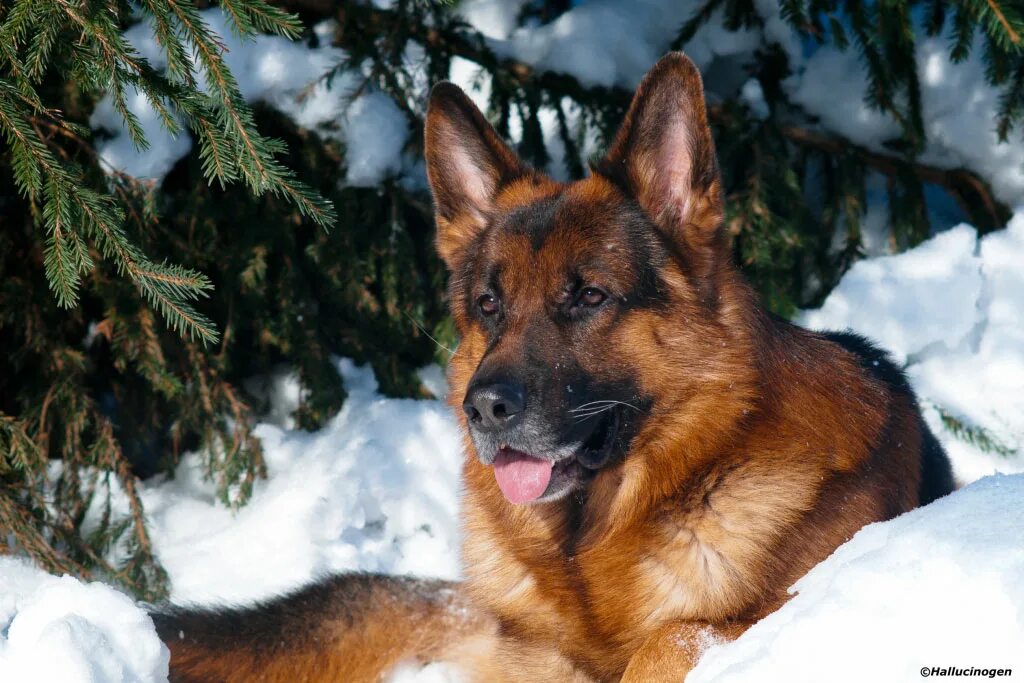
[521, 478]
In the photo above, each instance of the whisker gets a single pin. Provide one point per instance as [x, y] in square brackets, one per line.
[584, 418]
[431, 338]
[606, 404]
[591, 413]
[591, 405]
[599, 402]
[580, 417]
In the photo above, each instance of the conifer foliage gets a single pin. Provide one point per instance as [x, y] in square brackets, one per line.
[137, 320]
[78, 218]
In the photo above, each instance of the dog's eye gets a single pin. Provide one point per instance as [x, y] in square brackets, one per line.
[590, 296]
[488, 304]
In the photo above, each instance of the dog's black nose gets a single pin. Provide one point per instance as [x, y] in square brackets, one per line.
[493, 407]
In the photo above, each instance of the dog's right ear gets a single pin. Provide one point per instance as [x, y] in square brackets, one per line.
[467, 164]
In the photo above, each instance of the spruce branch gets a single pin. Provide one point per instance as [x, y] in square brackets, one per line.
[979, 437]
[969, 190]
[167, 33]
[256, 16]
[1008, 20]
[19, 451]
[222, 122]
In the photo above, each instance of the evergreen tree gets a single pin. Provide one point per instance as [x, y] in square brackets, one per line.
[118, 359]
[71, 219]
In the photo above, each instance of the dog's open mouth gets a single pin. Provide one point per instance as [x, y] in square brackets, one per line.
[524, 478]
[597, 448]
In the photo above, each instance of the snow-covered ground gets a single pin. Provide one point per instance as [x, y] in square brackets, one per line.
[57, 630]
[377, 488]
[941, 586]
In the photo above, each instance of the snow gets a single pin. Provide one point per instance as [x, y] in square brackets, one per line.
[752, 94]
[939, 586]
[600, 42]
[958, 107]
[375, 134]
[437, 672]
[120, 153]
[377, 488]
[284, 74]
[951, 311]
[61, 629]
[908, 301]
[493, 19]
[589, 40]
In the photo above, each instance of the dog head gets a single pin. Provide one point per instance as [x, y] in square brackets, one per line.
[590, 312]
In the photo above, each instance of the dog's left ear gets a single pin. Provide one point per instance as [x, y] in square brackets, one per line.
[664, 154]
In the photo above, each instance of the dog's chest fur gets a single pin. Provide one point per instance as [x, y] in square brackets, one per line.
[702, 557]
[749, 521]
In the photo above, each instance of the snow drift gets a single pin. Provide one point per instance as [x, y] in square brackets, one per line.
[939, 586]
[377, 488]
[58, 629]
[952, 311]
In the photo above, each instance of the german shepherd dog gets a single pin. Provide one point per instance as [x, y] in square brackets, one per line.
[652, 459]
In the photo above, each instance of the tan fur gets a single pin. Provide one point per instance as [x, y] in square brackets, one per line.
[355, 643]
[690, 532]
[754, 468]
[765, 446]
[675, 647]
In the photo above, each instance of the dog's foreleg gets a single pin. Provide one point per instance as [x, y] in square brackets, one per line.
[674, 648]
